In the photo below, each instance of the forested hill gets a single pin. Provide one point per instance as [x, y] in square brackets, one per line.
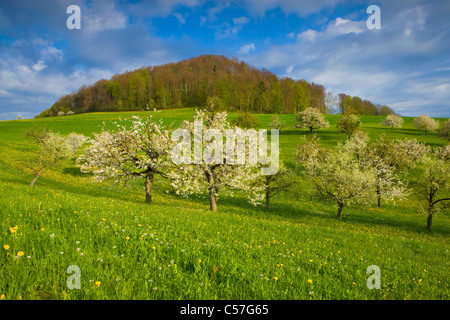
[239, 87]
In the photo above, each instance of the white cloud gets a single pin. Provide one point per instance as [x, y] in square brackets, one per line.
[309, 35]
[247, 48]
[291, 35]
[102, 15]
[39, 66]
[241, 20]
[180, 18]
[344, 26]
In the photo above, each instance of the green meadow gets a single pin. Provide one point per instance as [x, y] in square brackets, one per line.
[175, 248]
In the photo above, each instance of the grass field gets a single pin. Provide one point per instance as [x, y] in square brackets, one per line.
[176, 248]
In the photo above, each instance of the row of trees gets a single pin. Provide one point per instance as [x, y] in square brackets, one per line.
[312, 119]
[189, 83]
[357, 171]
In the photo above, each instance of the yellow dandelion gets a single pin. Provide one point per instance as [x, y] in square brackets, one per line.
[127, 238]
[20, 253]
[42, 229]
[199, 260]
[6, 247]
[310, 281]
[12, 230]
[420, 280]
[276, 278]
[2, 296]
[310, 260]
[98, 283]
[154, 248]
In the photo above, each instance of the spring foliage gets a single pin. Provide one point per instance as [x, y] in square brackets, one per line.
[218, 176]
[139, 149]
[393, 121]
[311, 118]
[426, 124]
[348, 124]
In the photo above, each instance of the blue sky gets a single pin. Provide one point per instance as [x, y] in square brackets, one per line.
[405, 64]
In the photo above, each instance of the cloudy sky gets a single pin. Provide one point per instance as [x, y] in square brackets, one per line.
[405, 64]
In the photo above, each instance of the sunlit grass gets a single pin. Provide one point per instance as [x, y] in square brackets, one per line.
[176, 248]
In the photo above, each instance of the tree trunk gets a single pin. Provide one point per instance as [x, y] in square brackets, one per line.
[35, 178]
[212, 199]
[430, 218]
[267, 200]
[148, 187]
[212, 195]
[379, 197]
[339, 215]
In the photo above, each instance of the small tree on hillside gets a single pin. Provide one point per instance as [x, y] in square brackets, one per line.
[339, 177]
[212, 173]
[444, 132]
[443, 153]
[52, 148]
[426, 124]
[74, 141]
[348, 124]
[246, 120]
[277, 123]
[277, 183]
[140, 150]
[406, 153]
[393, 121]
[311, 118]
[434, 187]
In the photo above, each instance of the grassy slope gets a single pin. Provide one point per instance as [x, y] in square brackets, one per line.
[177, 249]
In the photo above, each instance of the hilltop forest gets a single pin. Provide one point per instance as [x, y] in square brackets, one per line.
[238, 86]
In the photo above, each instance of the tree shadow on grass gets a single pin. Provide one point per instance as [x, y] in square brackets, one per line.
[75, 172]
[317, 211]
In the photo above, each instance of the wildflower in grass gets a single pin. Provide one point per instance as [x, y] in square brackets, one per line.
[2, 296]
[154, 248]
[20, 253]
[276, 278]
[98, 283]
[127, 238]
[42, 229]
[310, 281]
[6, 247]
[199, 260]
[12, 230]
